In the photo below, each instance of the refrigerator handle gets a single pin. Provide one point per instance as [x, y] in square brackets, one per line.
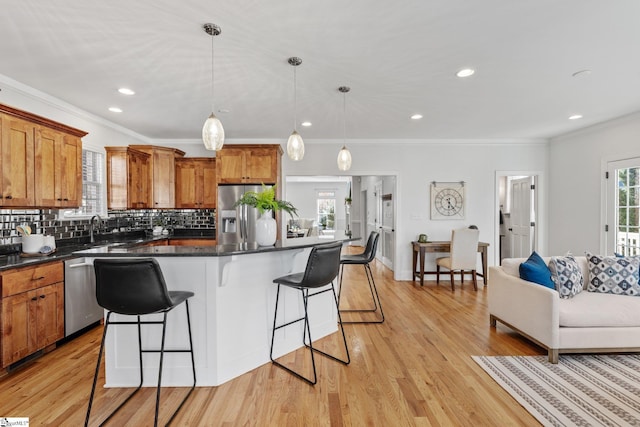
[245, 218]
[241, 221]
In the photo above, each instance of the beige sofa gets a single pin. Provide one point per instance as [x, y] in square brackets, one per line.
[589, 322]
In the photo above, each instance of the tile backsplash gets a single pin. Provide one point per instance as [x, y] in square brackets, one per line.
[46, 221]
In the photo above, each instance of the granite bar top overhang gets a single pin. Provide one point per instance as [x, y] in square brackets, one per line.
[217, 250]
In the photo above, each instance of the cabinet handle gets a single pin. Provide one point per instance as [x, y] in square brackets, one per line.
[38, 278]
[66, 200]
[9, 197]
[43, 296]
[34, 298]
[58, 199]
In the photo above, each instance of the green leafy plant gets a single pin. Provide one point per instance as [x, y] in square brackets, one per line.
[265, 200]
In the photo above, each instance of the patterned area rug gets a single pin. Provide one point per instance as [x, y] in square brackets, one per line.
[585, 390]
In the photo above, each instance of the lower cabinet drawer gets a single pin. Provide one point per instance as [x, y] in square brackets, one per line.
[24, 279]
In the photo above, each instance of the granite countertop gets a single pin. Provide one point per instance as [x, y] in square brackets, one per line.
[73, 248]
[218, 250]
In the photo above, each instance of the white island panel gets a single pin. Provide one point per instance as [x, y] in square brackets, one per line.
[231, 319]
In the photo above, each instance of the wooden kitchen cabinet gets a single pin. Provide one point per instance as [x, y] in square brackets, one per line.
[162, 163]
[17, 165]
[58, 169]
[128, 178]
[32, 317]
[191, 242]
[251, 164]
[196, 183]
[41, 161]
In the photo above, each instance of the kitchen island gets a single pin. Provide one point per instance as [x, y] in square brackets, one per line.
[231, 312]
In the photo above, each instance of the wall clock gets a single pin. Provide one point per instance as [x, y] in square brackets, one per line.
[447, 200]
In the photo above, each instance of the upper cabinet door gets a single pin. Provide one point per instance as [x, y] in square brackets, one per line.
[262, 166]
[58, 171]
[71, 173]
[251, 164]
[17, 153]
[231, 165]
[196, 183]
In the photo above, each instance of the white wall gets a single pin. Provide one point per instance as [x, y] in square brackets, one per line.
[576, 177]
[415, 164]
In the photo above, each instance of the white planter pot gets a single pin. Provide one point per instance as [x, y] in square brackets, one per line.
[266, 230]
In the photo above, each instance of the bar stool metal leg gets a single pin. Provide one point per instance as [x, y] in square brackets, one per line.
[307, 333]
[375, 298]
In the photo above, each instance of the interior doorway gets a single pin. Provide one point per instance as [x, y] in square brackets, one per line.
[517, 214]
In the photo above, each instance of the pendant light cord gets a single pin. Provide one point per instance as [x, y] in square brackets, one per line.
[212, 75]
[344, 116]
[295, 99]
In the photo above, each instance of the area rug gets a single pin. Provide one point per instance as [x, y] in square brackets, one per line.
[584, 390]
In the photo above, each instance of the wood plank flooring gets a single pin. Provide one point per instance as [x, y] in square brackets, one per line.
[415, 369]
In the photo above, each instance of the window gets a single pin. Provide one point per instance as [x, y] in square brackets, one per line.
[326, 210]
[92, 185]
[627, 218]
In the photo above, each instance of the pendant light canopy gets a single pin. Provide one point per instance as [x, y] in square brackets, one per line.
[295, 145]
[212, 131]
[344, 156]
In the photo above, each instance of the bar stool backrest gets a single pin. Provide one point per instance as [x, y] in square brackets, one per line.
[322, 266]
[131, 286]
[370, 250]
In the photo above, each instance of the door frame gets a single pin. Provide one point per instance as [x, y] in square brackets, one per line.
[540, 230]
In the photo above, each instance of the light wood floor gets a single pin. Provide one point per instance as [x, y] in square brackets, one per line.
[415, 369]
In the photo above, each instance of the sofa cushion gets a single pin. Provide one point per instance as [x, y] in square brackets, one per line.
[566, 275]
[535, 270]
[613, 275]
[590, 309]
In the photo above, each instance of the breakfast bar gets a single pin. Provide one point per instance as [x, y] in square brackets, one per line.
[231, 312]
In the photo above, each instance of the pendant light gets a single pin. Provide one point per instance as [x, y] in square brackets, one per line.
[212, 131]
[295, 145]
[344, 156]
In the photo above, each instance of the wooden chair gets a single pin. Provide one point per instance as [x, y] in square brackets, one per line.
[463, 256]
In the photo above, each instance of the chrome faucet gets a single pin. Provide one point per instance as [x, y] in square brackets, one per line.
[91, 227]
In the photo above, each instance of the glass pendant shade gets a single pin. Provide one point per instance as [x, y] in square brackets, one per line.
[295, 146]
[213, 133]
[344, 159]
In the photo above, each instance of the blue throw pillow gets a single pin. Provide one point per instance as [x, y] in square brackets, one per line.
[535, 270]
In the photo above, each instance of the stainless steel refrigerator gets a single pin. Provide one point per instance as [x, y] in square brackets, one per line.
[237, 224]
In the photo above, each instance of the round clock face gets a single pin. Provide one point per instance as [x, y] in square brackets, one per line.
[448, 202]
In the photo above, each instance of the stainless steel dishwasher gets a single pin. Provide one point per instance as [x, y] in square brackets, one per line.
[80, 306]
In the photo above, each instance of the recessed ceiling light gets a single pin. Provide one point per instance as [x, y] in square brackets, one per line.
[126, 91]
[575, 117]
[115, 109]
[465, 72]
[416, 117]
[306, 124]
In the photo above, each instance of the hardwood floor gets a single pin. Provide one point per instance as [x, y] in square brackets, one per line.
[415, 369]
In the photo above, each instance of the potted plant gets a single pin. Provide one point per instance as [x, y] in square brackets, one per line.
[265, 201]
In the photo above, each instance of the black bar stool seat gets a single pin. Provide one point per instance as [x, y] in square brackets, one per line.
[322, 268]
[136, 287]
[364, 259]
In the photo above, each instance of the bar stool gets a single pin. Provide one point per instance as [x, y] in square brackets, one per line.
[364, 259]
[136, 287]
[322, 269]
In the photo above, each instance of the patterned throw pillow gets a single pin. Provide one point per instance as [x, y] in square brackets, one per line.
[613, 275]
[566, 274]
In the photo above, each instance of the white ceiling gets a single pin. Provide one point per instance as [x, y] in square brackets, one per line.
[399, 58]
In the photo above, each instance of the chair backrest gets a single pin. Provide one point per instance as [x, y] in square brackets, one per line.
[323, 265]
[372, 245]
[464, 248]
[131, 286]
